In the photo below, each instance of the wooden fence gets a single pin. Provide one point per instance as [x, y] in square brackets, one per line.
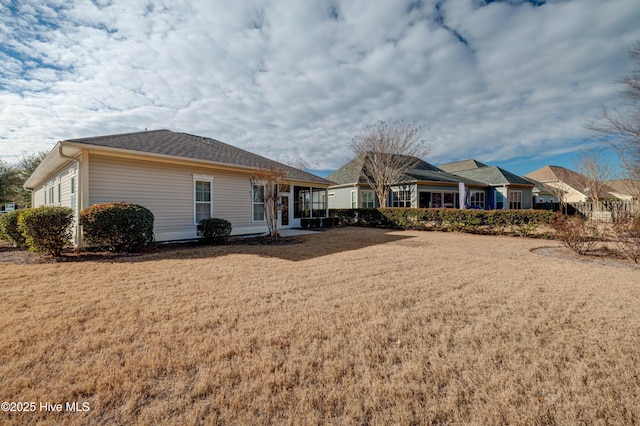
[604, 211]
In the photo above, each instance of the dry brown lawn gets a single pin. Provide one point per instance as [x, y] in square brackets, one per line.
[352, 326]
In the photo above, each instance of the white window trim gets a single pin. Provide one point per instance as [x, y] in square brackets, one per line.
[353, 200]
[518, 198]
[202, 178]
[408, 196]
[254, 203]
[475, 203]
[373, 198]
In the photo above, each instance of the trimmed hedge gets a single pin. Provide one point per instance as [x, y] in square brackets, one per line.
[46, 229]
[118, 227]
[214, 230]
[513, 222]
[319, 222]
[9, 228]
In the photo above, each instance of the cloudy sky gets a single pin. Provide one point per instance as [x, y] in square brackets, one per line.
[511, 83]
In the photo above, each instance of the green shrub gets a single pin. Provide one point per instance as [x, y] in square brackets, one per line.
[214, 230]
[9, 228]
[514, 222]
[46, 229]
[119, 227]
[305, 222]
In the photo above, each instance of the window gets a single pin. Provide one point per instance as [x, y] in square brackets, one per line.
[515, 200]
[436, 200]
[203, 206]
[319, 202]
[367, 199]
[400, 198]
[499, 200]
[302, 202]
[354, 200]
[51, 194]
[73, 184]
[450, 200]
[258, 203]
[59, 192]
[309, 202]
[476, 199]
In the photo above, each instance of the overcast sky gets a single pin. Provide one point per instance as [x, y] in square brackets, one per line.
[501, 81]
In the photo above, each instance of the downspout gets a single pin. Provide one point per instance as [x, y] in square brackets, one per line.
[79, 200]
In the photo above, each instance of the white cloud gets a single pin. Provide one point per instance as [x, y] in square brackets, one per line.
[290, 79]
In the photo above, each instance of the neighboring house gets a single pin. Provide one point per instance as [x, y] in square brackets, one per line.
[624, 189]
[505, 190]
[424, 186]
[181, 178]
[558, 184]
[8, 207]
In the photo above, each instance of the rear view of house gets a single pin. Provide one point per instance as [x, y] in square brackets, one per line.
[181, 178]
[423, 186]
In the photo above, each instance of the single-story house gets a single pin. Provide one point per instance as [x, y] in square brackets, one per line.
[181, 178]
[505, 190]
[424, 186]
[624, 189]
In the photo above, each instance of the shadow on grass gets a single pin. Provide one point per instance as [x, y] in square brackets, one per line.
[295, 248]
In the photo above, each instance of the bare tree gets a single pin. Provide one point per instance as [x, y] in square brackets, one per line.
[299, 163]
[595, 169]
[620, 126]
[560, 194]
[386, 151]
[267, 185]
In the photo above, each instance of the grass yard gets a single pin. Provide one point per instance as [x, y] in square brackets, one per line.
[352, 326]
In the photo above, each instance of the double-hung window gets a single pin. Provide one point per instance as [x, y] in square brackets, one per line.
[202, 198]
[367, 199]
[258, 203]
[476, 199]
[401, 197]
[515, 200]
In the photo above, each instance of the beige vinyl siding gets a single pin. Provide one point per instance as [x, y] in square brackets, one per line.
[167, 190]
[61, 192]
[37, 198]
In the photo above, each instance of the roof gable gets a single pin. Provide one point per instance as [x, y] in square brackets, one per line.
[493, 175]
[556, 174]
[457, 166]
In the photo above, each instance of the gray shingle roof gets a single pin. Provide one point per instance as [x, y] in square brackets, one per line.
[493, 175]
[461, 165]
[167, 142]
[350, 173]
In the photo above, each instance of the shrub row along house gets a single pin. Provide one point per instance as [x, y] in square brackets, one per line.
[181, 178]
[462, 184]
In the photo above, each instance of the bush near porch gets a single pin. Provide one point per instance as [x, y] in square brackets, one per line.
[492, 222]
